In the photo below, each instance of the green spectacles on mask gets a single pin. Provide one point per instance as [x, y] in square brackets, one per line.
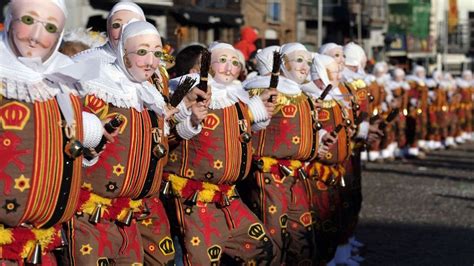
[48, 26]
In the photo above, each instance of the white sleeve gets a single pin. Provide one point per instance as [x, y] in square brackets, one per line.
[259, 112]
[183, 113]
[363, 130]
[186, 130]
[260, 125]
[321, 133]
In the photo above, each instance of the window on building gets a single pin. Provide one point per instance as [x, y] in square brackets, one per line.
[274, 10]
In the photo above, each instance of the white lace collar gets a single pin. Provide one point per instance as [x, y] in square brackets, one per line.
[104, 53]
[225, 95]
[113, 86]
[285, 85]
[28, 79]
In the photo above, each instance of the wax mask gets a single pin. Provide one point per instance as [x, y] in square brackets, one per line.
[298, 64]
[142, 56]
[225, 65]
[115, 23]
[421, 73]
[338, 55]
[35, 29]
[334, 73]
[399, 78]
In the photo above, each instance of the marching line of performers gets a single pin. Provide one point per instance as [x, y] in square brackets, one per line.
[108, 161]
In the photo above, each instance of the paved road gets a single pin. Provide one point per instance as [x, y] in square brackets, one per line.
[420, 212]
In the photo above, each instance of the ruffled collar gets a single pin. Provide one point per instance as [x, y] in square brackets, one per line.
[113, 86]
[463, 83]
[285, 85]
[225, 95]
[30, 80]
[349, 75]
[104, 53]
[393, 85]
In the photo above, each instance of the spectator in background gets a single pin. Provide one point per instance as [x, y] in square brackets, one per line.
[248, 36]
[188, 61]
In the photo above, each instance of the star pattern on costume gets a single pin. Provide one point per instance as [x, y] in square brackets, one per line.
[173, 157]
[195, 241]
[272, 209]
[22, 183]
[86, 249]
[189, 173]
[218, 164]
[147, 222]
[87, 186]
[10, 205]
[295, 140]
[111, 186]
[151, 248]
[118, 169]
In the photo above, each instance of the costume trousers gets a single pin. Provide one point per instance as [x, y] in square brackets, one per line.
[210, 234]
[156, 236]
[104, 243]
[283, 204]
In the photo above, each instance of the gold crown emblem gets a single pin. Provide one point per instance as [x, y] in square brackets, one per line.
[14, 115]
[361, 95]
[306, 219]
[214, 253]
[289, 110]
[211, 121]
[166, 246]
[94, 104]
[256, 231]
[323, 115]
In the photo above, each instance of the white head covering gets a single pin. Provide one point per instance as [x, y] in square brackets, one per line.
[354, 54]
[398, 72]
[318, 69]
[220, 45]
[289, 48]
[265, 59]
[417, 69]
[380, 67]
[325, 48]
[126, 6]
[241, 57]
[467, 74]
[129, 30]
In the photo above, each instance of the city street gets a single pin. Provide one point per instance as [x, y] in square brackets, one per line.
[420, 212]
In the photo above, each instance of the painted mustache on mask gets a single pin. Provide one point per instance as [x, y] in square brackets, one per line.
[32, 42]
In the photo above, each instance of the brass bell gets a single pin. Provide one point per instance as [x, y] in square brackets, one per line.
[34, 258]
[258, 164]
[74, 148]
[302, 174]
[245, 137]
[319, 125]
[64, 241]
[191, 201]
[343, 183]
[348, 122]
[95, 217]
[356, 107]
[159, 151]
[127, 220]
[167, 188]
[371, 97]
[224, 200]
[285, 170]
[146, 210]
